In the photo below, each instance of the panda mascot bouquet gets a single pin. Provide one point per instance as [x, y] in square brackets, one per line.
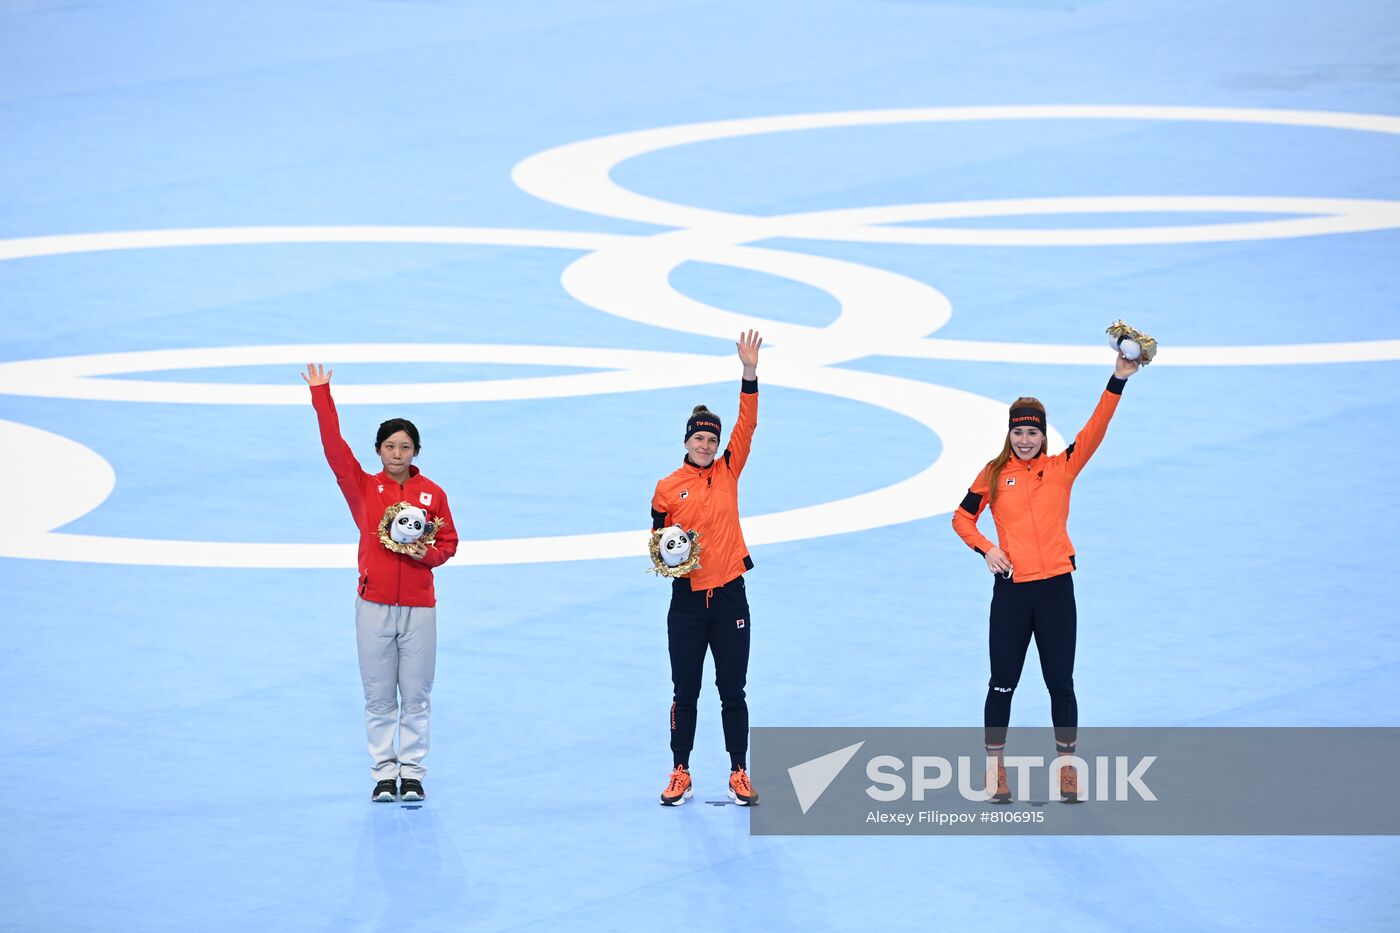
[675, 552]
[1131, 342]
[404, 524]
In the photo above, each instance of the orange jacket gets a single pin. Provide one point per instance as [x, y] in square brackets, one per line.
[1032, 505]
[707, 500]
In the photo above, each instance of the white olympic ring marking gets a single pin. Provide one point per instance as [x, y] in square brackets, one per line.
[1331, 216]
[79, 377]
[578, 175]
[881, 312]
[969, 424]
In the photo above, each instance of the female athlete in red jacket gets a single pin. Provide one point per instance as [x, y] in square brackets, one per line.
[395, 604]
[1032, 594]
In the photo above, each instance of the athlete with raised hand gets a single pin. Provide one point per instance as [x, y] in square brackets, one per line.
[1032, 592]
[709, 606]
[395, 602]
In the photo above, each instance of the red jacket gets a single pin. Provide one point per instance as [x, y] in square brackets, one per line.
[707, 500]
[1032, 506]
[385, 577]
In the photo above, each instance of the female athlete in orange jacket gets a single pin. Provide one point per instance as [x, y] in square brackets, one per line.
[709, 606]
[1032, 594]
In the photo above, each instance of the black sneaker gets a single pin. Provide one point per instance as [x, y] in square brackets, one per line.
[409, 789]
[383, 792]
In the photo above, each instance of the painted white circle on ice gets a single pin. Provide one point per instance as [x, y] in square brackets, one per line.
[870, 324]
[969, 426]
[85, 478]
[881, 313]
[579, 175]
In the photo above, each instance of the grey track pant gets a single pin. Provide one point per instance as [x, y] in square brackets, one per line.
[398, 657]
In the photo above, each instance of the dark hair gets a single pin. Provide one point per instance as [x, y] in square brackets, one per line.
[702, 419]
[999, 462]
[394, 425]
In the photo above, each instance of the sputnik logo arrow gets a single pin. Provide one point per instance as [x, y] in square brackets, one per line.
[811, 778]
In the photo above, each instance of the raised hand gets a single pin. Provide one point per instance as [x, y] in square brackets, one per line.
[1125, 367]
[315, 375]
[747, 345]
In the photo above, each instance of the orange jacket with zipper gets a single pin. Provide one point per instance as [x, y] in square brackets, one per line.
[1032, 504]
[707, 500]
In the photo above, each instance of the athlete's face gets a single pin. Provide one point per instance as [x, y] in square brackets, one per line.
[1026, 442]
[397, 453]
[702, 446]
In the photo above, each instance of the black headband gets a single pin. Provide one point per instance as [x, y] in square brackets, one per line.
[702, 421]
[1027, 418]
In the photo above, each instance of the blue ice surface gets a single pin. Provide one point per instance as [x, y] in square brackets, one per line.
[188, 742]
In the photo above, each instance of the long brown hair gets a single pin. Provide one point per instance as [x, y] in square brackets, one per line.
[998, 463]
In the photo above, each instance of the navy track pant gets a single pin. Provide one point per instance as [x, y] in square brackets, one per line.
[716, 620]
[1045, 610]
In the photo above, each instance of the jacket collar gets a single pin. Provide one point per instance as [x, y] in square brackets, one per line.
[385, 477]
[686, 464]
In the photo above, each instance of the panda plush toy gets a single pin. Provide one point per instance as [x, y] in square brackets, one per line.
[405, 525]
[674, 546]
[1131, 342]
[409, 525]
[675, 552]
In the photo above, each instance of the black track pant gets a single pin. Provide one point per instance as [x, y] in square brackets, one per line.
[716, 619]
[1045, 609]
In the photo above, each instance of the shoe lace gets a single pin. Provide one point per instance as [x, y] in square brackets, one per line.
[678, 779]
[740, 779]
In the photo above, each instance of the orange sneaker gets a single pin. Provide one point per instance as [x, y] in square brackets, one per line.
[1003, 791]
[740, 790]
[1069, 784]
[677, 789]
